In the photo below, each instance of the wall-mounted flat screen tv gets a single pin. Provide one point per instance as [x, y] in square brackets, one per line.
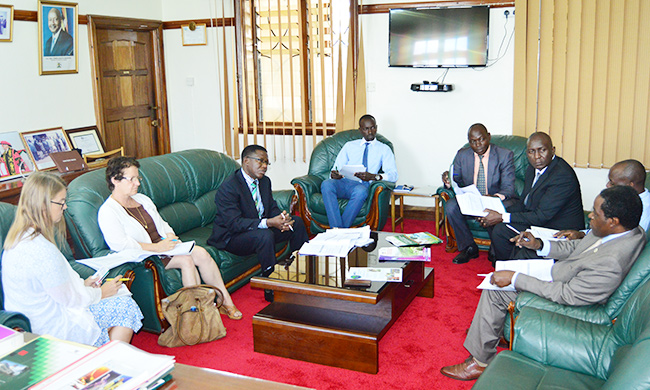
[439, 37]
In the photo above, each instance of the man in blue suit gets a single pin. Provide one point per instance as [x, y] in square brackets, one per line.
[491, 168]
[60, 43]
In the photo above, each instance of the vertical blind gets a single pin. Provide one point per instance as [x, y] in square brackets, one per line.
[582, 74]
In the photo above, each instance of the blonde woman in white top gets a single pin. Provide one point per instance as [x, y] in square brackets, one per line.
[39, 282]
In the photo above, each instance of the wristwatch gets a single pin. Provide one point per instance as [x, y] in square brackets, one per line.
[377, 177]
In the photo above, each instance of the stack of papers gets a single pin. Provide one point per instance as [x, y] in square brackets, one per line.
[471, 202]
[134, 255]
[337, 242]
[538, 268]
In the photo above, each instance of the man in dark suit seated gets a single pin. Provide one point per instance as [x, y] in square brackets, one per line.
[586, 272]
[551, 198]
[248, 219]
[60, 43]
[491, 168]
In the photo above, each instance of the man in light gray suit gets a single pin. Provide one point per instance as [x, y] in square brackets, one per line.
[586, 272]
[491, 168]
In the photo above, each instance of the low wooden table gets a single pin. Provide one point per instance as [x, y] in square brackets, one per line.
[420, 192]
[322, 322]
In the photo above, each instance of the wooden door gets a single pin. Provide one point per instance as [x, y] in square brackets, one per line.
[130, 90]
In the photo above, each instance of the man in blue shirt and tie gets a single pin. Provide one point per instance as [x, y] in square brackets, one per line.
[370, 153]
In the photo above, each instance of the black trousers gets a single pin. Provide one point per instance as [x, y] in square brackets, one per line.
[262, 242]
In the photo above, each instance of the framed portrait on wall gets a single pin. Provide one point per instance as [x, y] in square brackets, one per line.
[40, 143]
[6, 23]
[86, 139]
[15, 160]
[57, 37]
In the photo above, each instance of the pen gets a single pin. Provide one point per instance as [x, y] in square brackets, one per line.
[284, 216]
[120, 279]
[518, 232]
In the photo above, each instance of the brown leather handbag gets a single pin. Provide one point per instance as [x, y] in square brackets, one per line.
[193, 315]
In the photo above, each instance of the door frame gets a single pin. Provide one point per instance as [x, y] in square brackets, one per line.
[155, 29]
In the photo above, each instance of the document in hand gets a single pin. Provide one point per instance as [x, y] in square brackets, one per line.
[134, 255]
[471, 204]
[544, 233]
[538, 268]
[348, 172]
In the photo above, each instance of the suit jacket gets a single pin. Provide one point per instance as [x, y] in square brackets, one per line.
[501, 170]
[236, 212]
[584, 277]
[64, 46]
[555, 202]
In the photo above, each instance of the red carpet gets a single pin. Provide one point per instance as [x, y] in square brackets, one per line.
[427, 336]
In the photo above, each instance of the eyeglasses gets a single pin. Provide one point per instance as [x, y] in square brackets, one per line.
[132, 178]
[262, 162]
[62, 204]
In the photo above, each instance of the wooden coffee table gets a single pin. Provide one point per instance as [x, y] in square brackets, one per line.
[321, 322]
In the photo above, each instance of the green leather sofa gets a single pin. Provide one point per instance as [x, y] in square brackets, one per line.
[375, 210]
[518, 146]
[553, 351]
[182, 185]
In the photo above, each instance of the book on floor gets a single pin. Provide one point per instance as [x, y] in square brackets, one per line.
[413, 239]
[405, 253]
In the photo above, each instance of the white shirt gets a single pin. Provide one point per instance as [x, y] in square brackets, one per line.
[121, 231]
[39, 282]
[645, 216]
[379, 157]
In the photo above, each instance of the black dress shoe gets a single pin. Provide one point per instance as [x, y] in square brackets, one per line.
[465, 255]
[268, 295]
[492, 258]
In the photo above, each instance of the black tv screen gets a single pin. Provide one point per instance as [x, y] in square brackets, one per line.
[439, 37]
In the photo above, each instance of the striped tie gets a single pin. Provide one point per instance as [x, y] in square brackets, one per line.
[256, 198]
[537, 175]
[480, 178]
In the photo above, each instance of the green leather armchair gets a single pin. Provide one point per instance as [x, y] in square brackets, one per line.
[310, 201]
[182, 185]
[518, 146]
[553, 351]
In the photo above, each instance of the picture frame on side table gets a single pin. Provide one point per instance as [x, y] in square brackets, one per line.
[15, 160]
[57, 37]
[40, 143]
[87, 139]
[6, 23]
[194, 34]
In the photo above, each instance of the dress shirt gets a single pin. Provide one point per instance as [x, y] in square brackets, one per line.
[379, 157]
[645, 216]
[506, 216]
[249, 182]
[546, 249]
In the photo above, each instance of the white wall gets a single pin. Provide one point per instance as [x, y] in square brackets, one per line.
[33, 102]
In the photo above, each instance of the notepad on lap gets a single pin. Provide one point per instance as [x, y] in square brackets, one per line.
[538, 268]
[471, 204]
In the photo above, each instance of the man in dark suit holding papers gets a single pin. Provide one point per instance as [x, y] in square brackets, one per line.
[492, 170]
[551, 198]
[586, 272]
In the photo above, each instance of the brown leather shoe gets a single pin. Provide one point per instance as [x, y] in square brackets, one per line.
[468, 370]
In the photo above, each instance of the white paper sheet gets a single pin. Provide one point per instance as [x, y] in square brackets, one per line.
[134, 255]
[538, 268]
[471, 204]
[348, 172]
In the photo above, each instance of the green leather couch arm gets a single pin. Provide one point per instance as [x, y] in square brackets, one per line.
[309, 183]
[284, 199]
[560, 341]
[15, 320]
[591, 313]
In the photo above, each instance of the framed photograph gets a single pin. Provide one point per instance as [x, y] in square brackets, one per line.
[40, 143]
[6, 23]
[194, 34]
[15, 160]
[57, 37]
[87, 139]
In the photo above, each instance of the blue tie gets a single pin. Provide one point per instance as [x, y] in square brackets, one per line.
[365, 156]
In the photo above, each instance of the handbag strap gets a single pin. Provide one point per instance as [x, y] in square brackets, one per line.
[179, 320]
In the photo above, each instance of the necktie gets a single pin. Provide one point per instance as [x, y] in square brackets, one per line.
[480, 178]
[537, 175]
[365, 156]
[256, 198]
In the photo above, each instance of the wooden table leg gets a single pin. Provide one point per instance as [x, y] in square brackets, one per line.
[392, 210]
[401, 212]
[436, 199]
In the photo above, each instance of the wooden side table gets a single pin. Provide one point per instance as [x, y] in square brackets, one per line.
[420, 192]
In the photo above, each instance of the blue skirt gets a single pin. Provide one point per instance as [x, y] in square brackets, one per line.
[116, 311]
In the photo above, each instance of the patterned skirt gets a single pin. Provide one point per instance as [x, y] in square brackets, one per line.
[116, 311]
